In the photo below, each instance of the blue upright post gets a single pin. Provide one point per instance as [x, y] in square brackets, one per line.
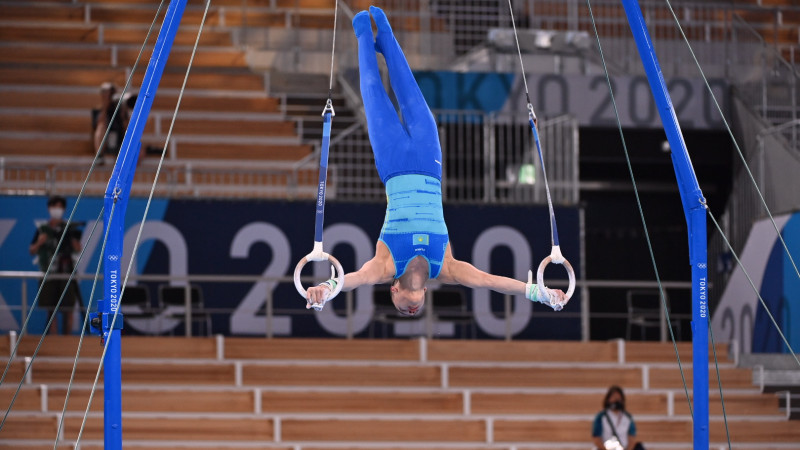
[694, 209]
[116, 200]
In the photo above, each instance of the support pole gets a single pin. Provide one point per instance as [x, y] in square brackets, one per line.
[694, 209]
[116, 200]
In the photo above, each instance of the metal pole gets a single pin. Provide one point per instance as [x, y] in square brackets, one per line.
[116, 200]
[268, 314]
[694, 209]
[187, 310]
[429, 314]
[24, 301]
[507, 311]
[586, 333]
[348, 303]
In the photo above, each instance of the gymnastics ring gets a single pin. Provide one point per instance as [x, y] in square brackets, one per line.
[319, 255]
[556, 257]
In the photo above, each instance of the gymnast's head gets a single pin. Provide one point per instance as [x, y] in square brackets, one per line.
[406, 299]
[408, 291]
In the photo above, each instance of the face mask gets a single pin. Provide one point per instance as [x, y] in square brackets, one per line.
[616, 406]
[56, 213]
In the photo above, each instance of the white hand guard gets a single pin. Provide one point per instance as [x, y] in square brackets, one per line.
[331, 285]
[541, 294]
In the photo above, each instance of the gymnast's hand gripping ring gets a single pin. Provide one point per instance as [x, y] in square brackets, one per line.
[556, 257]
[318, 255]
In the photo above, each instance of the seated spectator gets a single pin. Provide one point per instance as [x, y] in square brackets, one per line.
[613, 427]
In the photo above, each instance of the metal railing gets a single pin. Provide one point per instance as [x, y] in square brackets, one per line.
[351, 314]
[179, 178]
[487, 158]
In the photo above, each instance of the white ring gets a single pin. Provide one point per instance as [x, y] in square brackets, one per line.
[570, 272]
[336, 265]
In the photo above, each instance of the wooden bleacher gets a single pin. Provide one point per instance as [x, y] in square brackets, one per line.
[305, 394]
[228, 120]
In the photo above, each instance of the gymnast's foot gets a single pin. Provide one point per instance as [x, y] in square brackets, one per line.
[384, 29]
[362, 24]
[381, 20]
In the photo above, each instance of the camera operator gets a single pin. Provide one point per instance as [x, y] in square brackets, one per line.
[44, 245]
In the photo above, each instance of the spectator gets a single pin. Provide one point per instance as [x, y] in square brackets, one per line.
[101, 116]
[613, 427]
[44, 245]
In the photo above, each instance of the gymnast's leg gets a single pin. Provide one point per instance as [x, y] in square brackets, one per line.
[416, 114]
[382, 121]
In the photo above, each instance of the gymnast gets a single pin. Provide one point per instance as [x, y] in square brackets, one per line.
[413, 245]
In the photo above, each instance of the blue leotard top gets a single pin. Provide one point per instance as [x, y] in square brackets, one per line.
[414, 224]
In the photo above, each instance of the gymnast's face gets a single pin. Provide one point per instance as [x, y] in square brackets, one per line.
[409, 302]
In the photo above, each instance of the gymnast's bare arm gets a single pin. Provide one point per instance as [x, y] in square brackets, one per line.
[379, 269]
[464, 273]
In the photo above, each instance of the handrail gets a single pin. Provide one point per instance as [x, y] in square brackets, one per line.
[11, 274]
[185, 280]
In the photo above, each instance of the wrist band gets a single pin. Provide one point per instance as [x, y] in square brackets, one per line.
[531, 291]
[330, 284]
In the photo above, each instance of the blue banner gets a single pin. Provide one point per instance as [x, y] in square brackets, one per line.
[267, 238]
[740, 316]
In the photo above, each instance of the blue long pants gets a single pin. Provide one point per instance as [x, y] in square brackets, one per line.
[407, 147]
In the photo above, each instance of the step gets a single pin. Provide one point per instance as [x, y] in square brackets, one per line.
[105, 56]
[650, 352]
[386, 400]
[199, 79]
[660, 431]
[522, 351]
[43, 12]
[355, 402]
[38, 75]
[186, 35]
[80, 33]
[204, 57]
[221, 127]
[394, 430]
[82, 98]
[341, 375]
[133, 347]
[322, 349]
[45, 123]
[30, 427]
[47, 146]
[504, 403]
[573, 377]
[241, 429]
[69, 76]
[240, 152]
[49, 371]
[737, 404]
[732, 378]
[84, 55]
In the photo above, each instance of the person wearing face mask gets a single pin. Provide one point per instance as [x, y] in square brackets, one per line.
[613, 427]
[43, 246]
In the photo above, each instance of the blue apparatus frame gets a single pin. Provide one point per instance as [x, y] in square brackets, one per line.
[119, 186]
[116, 201]
[694, 207]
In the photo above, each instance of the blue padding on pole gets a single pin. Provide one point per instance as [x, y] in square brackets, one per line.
[694, 209]
[323, 176]
[116, 200]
